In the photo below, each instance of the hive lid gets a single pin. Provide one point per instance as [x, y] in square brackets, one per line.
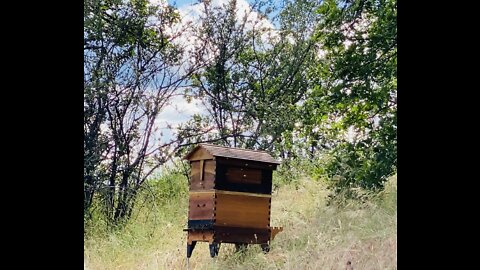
[237, 153]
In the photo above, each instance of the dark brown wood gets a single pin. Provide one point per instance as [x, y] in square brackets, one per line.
[242, 211]
[201, 205]
[249, 184]
[245, 163]
[243, 175]
[202, 236]
[241, 235]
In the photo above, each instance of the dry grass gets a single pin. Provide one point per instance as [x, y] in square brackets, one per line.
[315, 236]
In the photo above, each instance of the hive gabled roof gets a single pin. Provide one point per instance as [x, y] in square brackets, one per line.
[237, 153]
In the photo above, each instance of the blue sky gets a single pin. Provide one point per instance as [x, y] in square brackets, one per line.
[180, 3]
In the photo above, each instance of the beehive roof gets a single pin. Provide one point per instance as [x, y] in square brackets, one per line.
[237, 153]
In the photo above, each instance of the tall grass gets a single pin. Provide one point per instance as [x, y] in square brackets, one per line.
[317, 234]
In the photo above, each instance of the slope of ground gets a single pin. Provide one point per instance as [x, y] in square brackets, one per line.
[315, 236]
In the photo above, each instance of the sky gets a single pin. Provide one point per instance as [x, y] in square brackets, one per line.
[181, 3]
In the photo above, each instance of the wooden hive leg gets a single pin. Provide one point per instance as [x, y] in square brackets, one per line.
[190, 248]
[214, 248]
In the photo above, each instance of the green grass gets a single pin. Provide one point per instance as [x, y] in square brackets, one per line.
[316, 235]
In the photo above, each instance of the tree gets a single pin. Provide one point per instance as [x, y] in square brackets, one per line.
[132, 69]
[357, 90]
[251, 86]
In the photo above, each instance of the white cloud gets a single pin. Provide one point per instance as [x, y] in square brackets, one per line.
[179, 110]
[175, 113]
[191, 16]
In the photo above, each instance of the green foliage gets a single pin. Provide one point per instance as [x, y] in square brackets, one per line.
[327, 70]
[356, 90]
[360, 165]
[130, 73]
[170, 185]
[160, 192]
[292, 171]
[297, 91]
[298, 95]
[252, 86]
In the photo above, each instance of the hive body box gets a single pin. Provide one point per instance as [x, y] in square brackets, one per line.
[230, 197]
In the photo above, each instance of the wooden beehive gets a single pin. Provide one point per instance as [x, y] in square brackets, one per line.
[230, 197]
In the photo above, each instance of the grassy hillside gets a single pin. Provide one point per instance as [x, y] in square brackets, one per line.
[316, 235]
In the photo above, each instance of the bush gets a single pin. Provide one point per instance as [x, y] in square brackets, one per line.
[292, 170]
[359, 166]
[163, 188]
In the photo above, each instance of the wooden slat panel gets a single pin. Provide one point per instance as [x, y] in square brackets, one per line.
[195, 173]
[243, 175]
[199, 154]
[201, 205]
[203, 236]
[208, 175]
[241, 235]
[242, 211]
[209, 171]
